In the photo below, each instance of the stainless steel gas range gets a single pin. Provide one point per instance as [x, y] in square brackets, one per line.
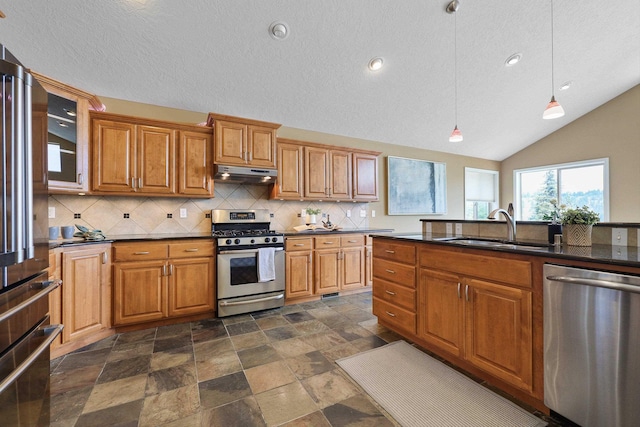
[250, 261]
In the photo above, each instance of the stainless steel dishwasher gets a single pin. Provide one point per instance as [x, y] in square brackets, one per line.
[592, 346]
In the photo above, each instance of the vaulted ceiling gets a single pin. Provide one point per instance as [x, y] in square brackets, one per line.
[205, 55]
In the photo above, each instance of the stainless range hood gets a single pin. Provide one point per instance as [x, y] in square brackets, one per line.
[244, 175]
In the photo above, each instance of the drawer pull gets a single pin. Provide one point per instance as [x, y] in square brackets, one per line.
[390, 314]
[141, 253]
[298, 244]
[191, 250]
[390, 271]
[328, 243]
[390, 251]
[352, 241]
[390, 293]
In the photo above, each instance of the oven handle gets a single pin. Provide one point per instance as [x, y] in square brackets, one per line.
[225, 303]
[53, 332]
[246, 251]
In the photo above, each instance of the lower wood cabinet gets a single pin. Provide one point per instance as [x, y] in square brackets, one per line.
[159, 280]
[83, 302]
[325, 264]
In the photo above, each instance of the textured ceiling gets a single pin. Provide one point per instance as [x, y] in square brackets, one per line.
[204, 55]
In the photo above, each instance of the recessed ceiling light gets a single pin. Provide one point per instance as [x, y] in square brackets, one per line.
[566, 85]
[513, 59]
[279, 30]
[375, 64]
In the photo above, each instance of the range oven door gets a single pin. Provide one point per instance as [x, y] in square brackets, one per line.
[239, 290]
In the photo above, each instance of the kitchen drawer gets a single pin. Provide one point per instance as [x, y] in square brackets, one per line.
[395, 294]
[326, 242]
[191, 249]
[401, 274]
[140, 251]
[305, 244]
[395, 251]
[394, 315]
[352, 240]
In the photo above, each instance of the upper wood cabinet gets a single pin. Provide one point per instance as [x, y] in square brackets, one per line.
[146, 157]
[68, 134]
[243, 142]
[310, 171]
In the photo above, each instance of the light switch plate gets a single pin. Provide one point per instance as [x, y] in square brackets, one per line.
[52, 212]
[619, 236]
[449, 229]
[348, 213]
[428, 227]
[183, 212]
[458, 229]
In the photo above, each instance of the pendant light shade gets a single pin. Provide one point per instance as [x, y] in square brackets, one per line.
[456, 135]
[452, 8]
[554, 109]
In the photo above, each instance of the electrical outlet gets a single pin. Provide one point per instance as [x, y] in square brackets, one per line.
[363, 213]
[303, 212]
[619, 236]
[183, 213]
[373, 214]
[449, 229]
[52, 212]
[348, 213]
[458, 229]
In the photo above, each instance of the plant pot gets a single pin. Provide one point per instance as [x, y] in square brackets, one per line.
[311, 219]
[552, 230]
[577, 234]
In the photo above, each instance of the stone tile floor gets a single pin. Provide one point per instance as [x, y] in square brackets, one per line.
[271, 368]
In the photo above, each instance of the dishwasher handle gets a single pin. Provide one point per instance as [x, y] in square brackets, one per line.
[608, 284]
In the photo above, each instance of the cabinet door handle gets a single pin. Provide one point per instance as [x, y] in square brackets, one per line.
[80, 179]
[139, 182]
[390, 251]
[390, 314]
[458, 290]
[250, 156]
[133, 182]
[389, 292]
[309, 258]
[104, 257]
[164, 270]
[191, 250]
[466, 292]
[141, 253]
[390, 271]
[171, 270]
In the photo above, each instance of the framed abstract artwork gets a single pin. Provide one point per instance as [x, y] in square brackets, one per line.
[416, 187]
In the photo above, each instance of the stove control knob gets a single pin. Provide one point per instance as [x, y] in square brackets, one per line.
[228, 241]
[237, 241]
[267, 240]
[274, 239]
[253, 240]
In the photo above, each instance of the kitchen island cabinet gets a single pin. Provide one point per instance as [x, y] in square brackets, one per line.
[156, 281]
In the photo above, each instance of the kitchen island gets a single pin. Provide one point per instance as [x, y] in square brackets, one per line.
[476, 305]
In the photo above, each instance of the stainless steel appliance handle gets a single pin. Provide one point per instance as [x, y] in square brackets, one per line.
[48, 286]
[596, 282]
[28, 165]
[19, 176]
[53, 332]
[225, 303]
[246, 251]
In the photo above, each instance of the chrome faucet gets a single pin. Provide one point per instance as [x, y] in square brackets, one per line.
[511, 222]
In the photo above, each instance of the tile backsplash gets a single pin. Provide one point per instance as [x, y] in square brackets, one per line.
[126, 215]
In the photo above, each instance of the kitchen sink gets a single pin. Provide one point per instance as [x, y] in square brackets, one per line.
[494, 243]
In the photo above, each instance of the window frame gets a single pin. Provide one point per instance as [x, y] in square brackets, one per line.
[603, 161]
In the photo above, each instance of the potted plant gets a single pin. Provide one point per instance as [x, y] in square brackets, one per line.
[311, 215]
[578, 224]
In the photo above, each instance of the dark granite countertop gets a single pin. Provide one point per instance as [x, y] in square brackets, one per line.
[317, 231]
[127, 238]
[608, 254]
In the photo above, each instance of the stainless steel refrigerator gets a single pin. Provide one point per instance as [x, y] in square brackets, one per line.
[25, 333]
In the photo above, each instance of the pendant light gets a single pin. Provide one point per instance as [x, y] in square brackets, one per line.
[554, 109]
[456, 135]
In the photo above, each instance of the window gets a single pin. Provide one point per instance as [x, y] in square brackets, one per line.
[571, 184]
[480, 192]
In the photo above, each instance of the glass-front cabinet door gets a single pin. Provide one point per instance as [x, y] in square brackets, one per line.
[68, 135]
